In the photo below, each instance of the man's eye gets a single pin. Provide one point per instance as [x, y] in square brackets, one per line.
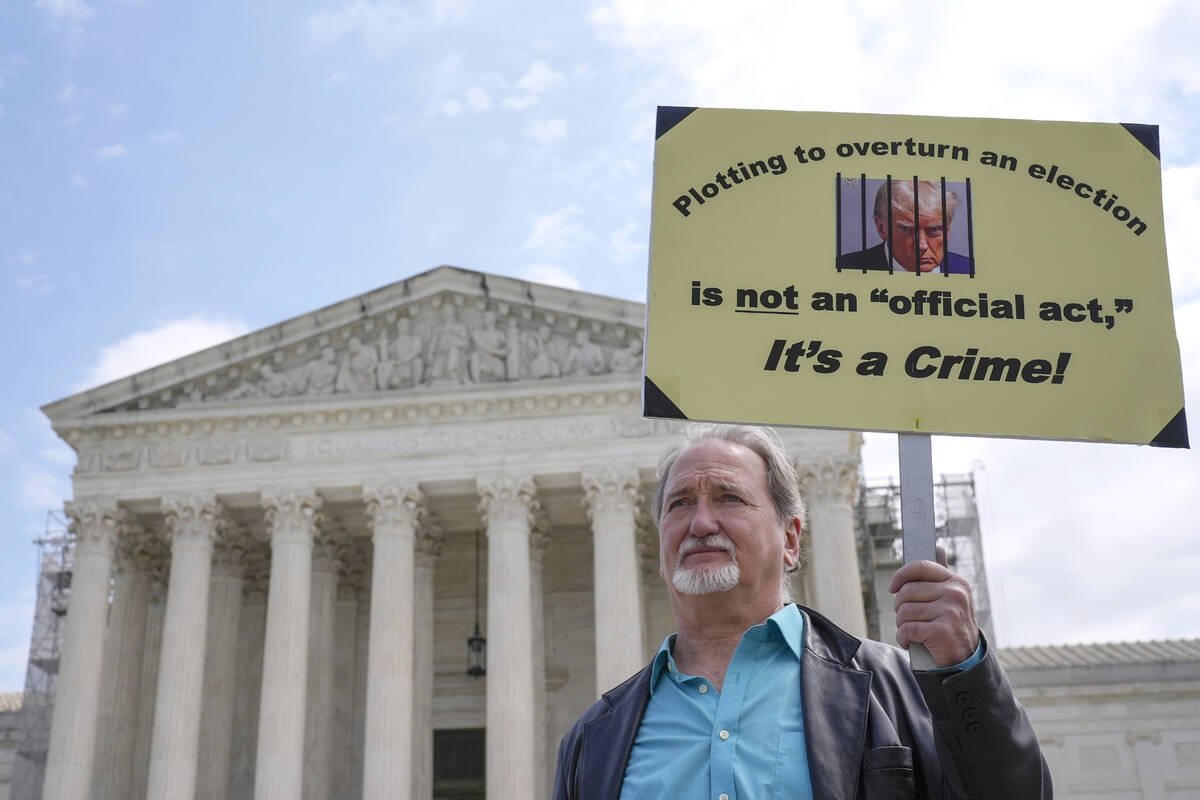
[935, 231]
[677, 503]
[730, 498]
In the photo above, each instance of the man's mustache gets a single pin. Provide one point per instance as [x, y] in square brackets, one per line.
[706, 543]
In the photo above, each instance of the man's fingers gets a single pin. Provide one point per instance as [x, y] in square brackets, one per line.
[918, 571]
[942, 558]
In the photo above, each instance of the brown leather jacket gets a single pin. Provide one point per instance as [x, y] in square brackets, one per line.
[875, 729]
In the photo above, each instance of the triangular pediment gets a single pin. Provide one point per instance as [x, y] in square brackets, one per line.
[445, 328]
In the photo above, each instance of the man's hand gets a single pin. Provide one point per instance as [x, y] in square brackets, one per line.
[934, 607]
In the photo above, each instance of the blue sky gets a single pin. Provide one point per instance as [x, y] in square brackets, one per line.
[172, 175]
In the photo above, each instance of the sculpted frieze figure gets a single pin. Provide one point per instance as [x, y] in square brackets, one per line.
[629, 359]
[269, 384]
[489, 353]
[320, 374]
[586, 357]
[537, 360]
[448, 348]
[357, 373]
[402, 365]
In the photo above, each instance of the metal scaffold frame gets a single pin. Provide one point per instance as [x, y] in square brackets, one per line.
[55, 557]
[956, 523]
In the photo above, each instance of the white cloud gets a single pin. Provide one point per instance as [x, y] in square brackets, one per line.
[109, 152]
[72, 121]
[1181, 208]
[538, 79]
[451, 107]
[445, 11]
[66, 93]
[117, 109]
[67, 11]
[79, 181]
[26, 256]
[166, 342]
[41, 487]
[478, 98]
[558, 233]
[548, 131]
[35, 282]
[623, 247]
[164, 137]
[383, 26]
[551, 274]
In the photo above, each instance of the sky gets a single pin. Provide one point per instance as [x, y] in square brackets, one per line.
[176, 174]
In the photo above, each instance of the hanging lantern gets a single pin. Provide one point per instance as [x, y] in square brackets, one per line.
[476, 644]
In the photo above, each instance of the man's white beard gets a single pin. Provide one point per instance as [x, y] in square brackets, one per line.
[705, 580]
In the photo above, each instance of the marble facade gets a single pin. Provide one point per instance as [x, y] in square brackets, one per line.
[275, 563]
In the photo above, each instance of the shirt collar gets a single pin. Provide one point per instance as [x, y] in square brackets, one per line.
[787, 623]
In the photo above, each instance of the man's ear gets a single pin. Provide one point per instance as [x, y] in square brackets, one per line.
[881, 226]
[791, 543]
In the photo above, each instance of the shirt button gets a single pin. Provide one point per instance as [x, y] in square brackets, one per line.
[703, 688]
[722, 797]
[724, 734]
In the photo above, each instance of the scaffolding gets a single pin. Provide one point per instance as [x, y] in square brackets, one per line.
[956, 523]
[55, 558]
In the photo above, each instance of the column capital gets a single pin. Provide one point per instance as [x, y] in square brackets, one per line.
[193, 518]
[429, 541]
[352, 569]
[829, 479]
[611, 489]
[539, 537]
[229, 550]
[135, 545]
[94, 521]
[292, 513]
[394, 509]
[325, 548]
[507, 498]
[256, 569]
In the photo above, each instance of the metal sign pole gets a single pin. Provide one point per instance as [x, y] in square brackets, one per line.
[916, 516]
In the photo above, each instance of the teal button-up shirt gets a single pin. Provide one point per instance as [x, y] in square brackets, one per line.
[741, 742]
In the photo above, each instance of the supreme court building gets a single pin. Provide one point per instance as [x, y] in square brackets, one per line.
[284, 542]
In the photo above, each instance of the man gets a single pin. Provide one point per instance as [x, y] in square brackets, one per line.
[754, 697]
[915, 241]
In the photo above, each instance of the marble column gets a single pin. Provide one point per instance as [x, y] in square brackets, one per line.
[318, 736]
[73, 731]
[508, 505]
[429, 549]
[192, 524]
[611, 499]
[252, 629]
[123, 652]
[833, 574]
[393, 513]
[539, 542]
[150, 661]
[221, 665]
[351, 586]
[293, 517]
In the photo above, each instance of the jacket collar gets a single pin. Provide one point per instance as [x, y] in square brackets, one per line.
[836, 698]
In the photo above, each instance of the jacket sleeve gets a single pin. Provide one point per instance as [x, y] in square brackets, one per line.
[984, 739]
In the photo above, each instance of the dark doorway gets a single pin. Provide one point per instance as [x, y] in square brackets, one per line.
[458, 764]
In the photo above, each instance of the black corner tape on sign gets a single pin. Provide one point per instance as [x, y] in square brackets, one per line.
[1146, 134]
[1174, 433]
[669, 117]
[656, 404]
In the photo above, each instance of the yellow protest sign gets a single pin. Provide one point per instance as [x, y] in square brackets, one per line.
[912, 274]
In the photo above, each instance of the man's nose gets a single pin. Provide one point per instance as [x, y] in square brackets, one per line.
[704, 519]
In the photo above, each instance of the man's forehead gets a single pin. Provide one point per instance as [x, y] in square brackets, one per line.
[716, 461]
